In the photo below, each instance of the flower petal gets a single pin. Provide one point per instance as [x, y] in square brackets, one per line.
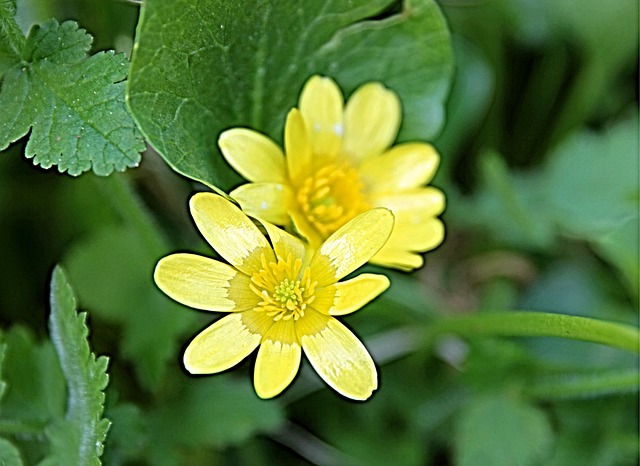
[402, 167]
[204, 283]
[397, 259]
[321, 105]
[303, 228]
[222, 345]
[350, 295]
[264, 200]
[371, 121]
[253, 155]
[415, 233]
[400, 250]
[284, 243]
[297, 146]
[230, 232]
[278, 360]
[423, 202]
[351, 246]
[337, 355]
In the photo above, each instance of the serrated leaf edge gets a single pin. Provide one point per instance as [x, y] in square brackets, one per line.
[85, 374]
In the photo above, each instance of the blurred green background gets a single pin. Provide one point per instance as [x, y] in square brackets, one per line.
[540, 165]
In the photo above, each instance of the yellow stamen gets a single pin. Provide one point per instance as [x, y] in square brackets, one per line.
[331, 197]
[284, 290]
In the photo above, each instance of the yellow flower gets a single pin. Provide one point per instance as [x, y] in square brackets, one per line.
[281, 296]
[338, 164]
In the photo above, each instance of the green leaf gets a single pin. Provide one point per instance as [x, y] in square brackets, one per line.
[592, 180]
[111, 271]
[412, 56]
[605, 40]
[587, 189]
[35, 391]
[596, 434]
[213, 411]
[509, 206]
[73, 105]
[201, 67]
[128, 436]
[64, 443]
[502, 431]
[509, 199]
[79, 438]
[11, 38]
[620, 247]
[9, 454]
[591, 184]
[35, 384]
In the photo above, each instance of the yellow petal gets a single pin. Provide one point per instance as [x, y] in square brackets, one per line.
[337, 355]
[400, 250]
[204, 283]
[230, 232]
[416, 233]
[284, 243]
[351, 246]
[253, 155]
[397, 259]
[264, 200]
[404, 166]
[371, 121]
[278, 360]
[321, 104]
[350, 295]
[303, 228]
[297, 146]
[422, 202]
[221, 345]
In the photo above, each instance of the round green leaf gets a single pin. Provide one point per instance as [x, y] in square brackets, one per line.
[201, 67]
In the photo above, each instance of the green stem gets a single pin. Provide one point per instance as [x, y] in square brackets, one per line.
[586, 385]
[541, 324]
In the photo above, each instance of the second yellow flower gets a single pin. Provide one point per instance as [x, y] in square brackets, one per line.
[339, 163]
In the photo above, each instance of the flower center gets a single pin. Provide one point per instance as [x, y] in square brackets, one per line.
[331, 197]
[284, 290]
[288, 293]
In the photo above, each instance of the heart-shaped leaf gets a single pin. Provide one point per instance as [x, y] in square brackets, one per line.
[201, 67]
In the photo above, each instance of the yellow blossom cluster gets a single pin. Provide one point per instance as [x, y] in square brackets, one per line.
[345, 197]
